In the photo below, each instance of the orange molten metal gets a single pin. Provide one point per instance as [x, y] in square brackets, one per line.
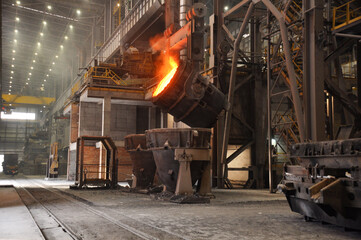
[166, 80]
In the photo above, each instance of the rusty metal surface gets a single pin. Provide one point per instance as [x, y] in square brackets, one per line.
[107, 176]
[191, 98]
[327, 184]
[142, 160]
[164, 142]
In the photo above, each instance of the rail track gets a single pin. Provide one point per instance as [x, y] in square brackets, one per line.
[60, 206]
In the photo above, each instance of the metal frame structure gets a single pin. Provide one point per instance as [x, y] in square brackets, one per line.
[111, 164]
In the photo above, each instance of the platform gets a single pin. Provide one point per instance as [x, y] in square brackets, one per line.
[16, 221]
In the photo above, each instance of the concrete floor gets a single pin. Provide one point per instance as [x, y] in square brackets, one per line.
[113, 214]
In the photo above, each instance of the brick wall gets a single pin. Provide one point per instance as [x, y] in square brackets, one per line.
[74, 122]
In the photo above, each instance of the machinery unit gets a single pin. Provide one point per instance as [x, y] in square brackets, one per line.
[142, 160]
[184, 92]
[52, 168]
[96, 171]
[327, 184]
[191, 98]
[10, 164]
[182, 157]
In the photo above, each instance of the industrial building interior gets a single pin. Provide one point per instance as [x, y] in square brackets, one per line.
[189, 119]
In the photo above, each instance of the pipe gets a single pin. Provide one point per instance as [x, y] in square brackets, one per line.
[184, 7]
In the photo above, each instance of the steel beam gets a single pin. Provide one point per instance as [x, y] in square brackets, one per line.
[313, 71]
[358, 57]
[232, 82]
[290, 68]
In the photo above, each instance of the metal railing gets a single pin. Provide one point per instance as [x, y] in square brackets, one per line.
[344, 15]
[113, 43]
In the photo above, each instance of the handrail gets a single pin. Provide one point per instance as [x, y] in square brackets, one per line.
[343, 15]
[77, 81]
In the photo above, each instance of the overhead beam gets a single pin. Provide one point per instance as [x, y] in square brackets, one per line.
[30, 100]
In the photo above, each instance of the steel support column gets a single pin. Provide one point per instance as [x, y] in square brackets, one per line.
[358, 56]
[232, 82]
[313, 70]
[290, 67]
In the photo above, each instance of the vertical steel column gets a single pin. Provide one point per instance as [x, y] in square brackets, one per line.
[269, 110]
[358, 58]
[290, 67]
[216, 35]
[232, 82]
[313, 70]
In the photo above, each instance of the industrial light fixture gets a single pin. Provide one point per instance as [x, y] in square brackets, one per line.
[28, 79]
[44, 22]
[31, 67]
[12, 72]
[53, 63]
[11, 77]
[36, 54]
[10, 86]
[13, 59]
[61, 46]
[49, 7]
[12, 65]
[30, 74]
[17, 19]
[14, 51]
[78, 12]
[71, 26]
[226, 8]
[39, 44]
[44, 80]
[118, 4]
[47, 75]
[66, 37]
[33, 60]
[11, 82]
[41, 34]
[56, 56]
[18, 2]
[15, 41]
[50, 69]
[27, 83]
[15, 30]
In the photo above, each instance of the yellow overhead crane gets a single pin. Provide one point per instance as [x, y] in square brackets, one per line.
[31, 100]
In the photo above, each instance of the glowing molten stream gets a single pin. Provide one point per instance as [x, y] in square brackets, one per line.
[166, 80]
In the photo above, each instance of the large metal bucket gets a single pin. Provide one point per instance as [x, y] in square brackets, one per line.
[142, 160]
[164, 142]
[191, 98]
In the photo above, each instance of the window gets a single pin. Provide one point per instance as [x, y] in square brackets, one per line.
[18, 116]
